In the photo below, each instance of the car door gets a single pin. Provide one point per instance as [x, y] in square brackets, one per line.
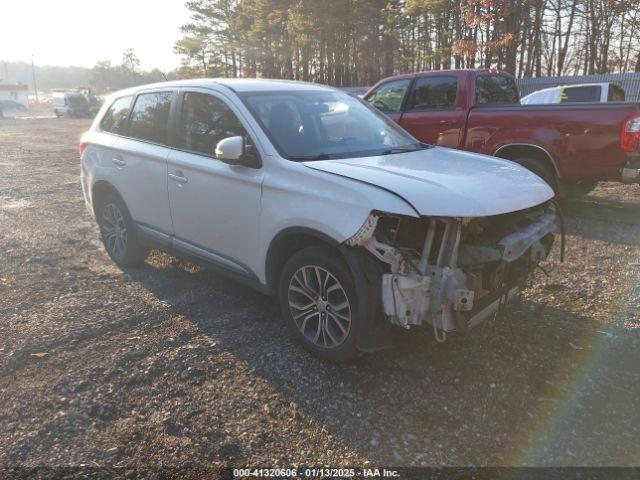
[215, 206]
[389, 97]
[140, 158]
[432, 113]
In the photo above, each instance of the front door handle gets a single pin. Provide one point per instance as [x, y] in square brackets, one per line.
[178, 176]
[446, 123]
[118, 160]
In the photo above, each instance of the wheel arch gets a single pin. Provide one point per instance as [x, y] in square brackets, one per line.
[377, 332]
[99, 190]
[512, 151]
[286, 243]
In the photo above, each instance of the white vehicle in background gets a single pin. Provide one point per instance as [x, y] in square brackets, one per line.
[70, 104]
[315, 197]
[585, 92]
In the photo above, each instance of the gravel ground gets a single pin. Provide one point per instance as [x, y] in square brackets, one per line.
[172, 365]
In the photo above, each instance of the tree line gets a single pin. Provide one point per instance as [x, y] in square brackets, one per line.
[357, 42]
[104, 77]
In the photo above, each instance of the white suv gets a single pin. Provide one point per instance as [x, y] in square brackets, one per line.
[312, 195]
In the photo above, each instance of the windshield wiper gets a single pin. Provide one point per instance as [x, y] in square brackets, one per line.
[414, 148]
[307, 158]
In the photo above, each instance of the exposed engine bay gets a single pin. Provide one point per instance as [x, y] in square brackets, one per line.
[453, 273]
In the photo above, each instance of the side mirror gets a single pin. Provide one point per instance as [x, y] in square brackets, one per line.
[230, 149]
[234, 151]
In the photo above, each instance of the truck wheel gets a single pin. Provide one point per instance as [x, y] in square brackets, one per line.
[318, 299]
[577, 190]
[541, 169]
[118, 233]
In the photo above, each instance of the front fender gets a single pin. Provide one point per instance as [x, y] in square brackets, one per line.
[295, 196]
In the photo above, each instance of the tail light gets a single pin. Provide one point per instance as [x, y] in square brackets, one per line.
[83, 143]
[630, 138]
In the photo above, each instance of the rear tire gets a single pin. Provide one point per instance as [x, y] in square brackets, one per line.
[317, 295]
[541, 169]
[118, 232]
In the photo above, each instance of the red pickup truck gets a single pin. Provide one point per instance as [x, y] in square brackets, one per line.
[572, 145]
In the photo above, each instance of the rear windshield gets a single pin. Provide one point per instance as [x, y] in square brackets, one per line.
[77, 100]
[589, 93]
[496, 89]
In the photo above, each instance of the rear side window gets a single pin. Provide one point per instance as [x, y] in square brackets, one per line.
[496, 89]
[434, 92]
[115, 119]
[389, 96]
[581, 94]
[206, 120]
[150, 117]
[616, 94]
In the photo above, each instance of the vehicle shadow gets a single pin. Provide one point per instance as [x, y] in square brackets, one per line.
[603, 209]
[599, 227]
[471, 400]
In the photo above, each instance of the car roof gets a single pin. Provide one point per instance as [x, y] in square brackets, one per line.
[240, 85]
[65, 94]
[459, 71]
[572, 85]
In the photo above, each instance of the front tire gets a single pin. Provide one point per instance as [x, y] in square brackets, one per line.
[118, 232]
[318, 299]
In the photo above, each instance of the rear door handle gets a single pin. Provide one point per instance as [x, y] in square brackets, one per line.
[118, 160]
[178, 176]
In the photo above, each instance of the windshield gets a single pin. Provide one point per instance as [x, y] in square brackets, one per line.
[319, 125]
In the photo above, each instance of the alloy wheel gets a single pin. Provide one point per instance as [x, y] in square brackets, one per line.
[319, 306]
[114, 231]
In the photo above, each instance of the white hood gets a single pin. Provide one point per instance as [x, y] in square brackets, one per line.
[447, 183]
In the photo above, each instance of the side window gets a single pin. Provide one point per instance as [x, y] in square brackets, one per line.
[205, 121]
[581, 94]
[496, 89]
[434, 92]
[616, 94]
[150, 117]
[388, 97]
[115, 119]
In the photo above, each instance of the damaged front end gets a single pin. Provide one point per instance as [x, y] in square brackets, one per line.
[453, 273]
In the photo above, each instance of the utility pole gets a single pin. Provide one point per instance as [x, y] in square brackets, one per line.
[33, 73]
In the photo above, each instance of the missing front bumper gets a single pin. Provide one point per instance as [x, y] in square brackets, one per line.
[453, 284]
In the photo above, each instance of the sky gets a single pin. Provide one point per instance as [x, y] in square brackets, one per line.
[82, 32]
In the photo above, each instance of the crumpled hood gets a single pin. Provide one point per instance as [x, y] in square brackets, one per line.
[444, 182]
